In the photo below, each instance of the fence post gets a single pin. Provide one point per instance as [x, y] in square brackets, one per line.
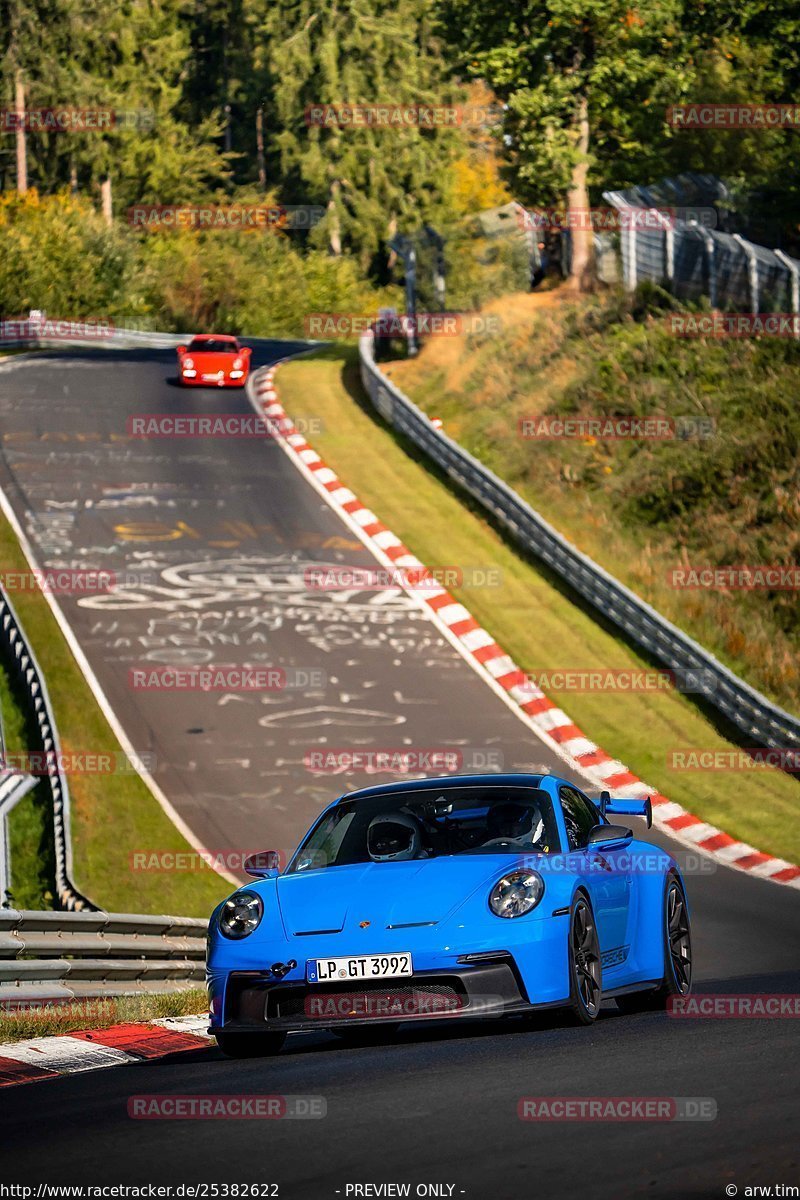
[631, 273]
[669, 250]
[793, 268]
[708, 242]
[668, 226]
[752, 270]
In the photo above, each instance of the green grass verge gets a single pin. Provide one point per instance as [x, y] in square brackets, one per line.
[112, 815]
[30, 823]
[644, 508]
[530, 617]
[98, 1014]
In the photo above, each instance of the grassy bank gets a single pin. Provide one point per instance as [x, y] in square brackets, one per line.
[726, 495]
[98, 1014]
[30, 823]
[112, 815]
[529, 616]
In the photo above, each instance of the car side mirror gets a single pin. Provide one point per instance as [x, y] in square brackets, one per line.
[608, 834]
[246, 350]
[623, 806]
[181, 349]
[263, 865]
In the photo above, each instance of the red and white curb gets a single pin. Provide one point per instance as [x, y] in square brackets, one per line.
[87, 1050]
[477, 646]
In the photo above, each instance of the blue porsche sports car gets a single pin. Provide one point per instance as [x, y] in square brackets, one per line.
[468, 896]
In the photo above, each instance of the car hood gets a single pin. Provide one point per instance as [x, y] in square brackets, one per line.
[424, 892]
[212, 360]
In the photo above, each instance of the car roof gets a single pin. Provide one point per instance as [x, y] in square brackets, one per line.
[213, 337]
[511, 779]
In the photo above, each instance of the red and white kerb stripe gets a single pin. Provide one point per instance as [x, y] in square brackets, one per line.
[552, 725]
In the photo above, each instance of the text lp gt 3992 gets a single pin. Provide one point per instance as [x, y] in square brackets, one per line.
[466, 896]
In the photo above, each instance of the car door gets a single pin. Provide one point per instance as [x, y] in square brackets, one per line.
[607, 873]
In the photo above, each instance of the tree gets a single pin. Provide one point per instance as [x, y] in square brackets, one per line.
[586, 83]
[130, 59]
[370, 180]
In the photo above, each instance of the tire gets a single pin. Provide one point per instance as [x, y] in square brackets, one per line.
[677, 934]
[250, 1045]
[585, 971]
[366, 1035]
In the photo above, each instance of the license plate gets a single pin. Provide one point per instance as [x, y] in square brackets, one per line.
[364, 966]
[213, 376]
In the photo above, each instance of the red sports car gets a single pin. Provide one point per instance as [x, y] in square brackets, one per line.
[213, 360]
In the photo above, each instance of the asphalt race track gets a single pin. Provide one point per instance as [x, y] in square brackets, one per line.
[209, 539]
[219, 533]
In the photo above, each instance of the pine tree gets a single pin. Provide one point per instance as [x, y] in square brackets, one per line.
[371, 180]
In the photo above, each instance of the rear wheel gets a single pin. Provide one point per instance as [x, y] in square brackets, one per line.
[677, 955]
[586, 979]
[249, 1045]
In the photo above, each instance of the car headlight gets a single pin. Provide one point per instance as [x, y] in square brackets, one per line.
[240, 914]
[516, 893]
[237, 364]
[187, 362]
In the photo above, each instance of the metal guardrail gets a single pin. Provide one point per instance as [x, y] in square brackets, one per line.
[53, 956]
[34, 336]
[17, 653]
[759, 721]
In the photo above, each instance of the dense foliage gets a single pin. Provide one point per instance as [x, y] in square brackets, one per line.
[724, 493]
[217, 93]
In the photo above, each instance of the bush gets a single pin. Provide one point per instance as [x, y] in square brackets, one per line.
[61, 257]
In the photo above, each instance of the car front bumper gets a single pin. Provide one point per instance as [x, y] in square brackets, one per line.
[225, 381]
[254, 1002]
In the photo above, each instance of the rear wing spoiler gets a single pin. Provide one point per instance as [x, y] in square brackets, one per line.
[623, 807]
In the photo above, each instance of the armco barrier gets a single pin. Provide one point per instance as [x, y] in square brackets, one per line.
[760, 722]
[17, 654]
[53, 956]
[115, 339]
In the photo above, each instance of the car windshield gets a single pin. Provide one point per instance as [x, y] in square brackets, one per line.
[212, 346]
[400, 826]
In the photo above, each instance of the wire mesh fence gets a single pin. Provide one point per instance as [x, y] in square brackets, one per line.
[670, 235]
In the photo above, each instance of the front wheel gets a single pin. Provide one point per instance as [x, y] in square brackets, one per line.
[585, 973]
[677, 955]
[249, 1045]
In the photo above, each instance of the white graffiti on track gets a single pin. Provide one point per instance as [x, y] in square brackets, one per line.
[196, 585]
[328, 715]
[195, 611]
